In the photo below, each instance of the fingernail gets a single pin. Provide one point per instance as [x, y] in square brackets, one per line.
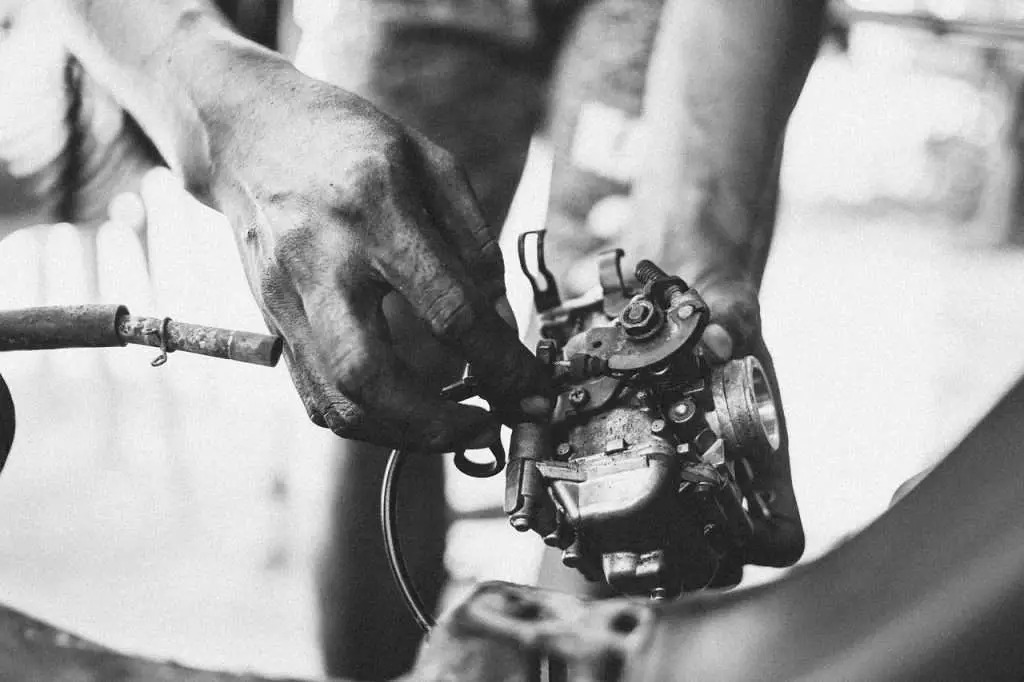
[484, 438]
[504, 309]
[719, 342]
[535, 406]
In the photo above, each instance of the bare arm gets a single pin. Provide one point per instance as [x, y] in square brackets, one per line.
[334, 206]
[723, 81]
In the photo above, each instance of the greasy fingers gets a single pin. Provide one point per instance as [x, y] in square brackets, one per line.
[735, 319]
[352, 328]
[457, 214]
[372, 209]
[442, 294]
[353, 384]
[733, 333]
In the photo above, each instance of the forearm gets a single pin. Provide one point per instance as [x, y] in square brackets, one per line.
[723, 81]
[167, 62]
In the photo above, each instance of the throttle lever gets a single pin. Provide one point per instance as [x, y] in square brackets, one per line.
[545, 298]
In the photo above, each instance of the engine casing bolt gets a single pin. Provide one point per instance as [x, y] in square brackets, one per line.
[579, 396]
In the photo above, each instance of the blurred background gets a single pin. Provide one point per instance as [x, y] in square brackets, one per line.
[177, 512]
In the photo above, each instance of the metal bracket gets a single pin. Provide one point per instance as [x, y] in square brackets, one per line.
[613, 286]
[544, 297]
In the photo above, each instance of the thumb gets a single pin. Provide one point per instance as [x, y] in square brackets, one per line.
[735, 319]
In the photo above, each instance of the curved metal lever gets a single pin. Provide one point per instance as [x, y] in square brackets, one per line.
[544, 298]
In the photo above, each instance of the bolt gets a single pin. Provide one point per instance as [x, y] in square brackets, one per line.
[657, 426]
[683, 449]
[564, 450]
[659, 594]
[682, 411]
[579, 396]
[685, 312]
[641, 395]
[641, 318]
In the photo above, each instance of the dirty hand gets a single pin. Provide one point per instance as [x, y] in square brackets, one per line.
[335, 206]
[734, 332]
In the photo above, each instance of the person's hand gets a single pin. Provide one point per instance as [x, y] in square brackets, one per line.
[337, 207]
[734, 332]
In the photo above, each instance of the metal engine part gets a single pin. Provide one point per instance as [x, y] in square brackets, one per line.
[7, 422]
[642, 477]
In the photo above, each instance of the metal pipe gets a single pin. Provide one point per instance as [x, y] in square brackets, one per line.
[99, 326]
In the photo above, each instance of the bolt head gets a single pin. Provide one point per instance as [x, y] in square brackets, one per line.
[682, 411]
[579, 396]
[563, 449]
[641, 318]
[685, 312]
[657, 426]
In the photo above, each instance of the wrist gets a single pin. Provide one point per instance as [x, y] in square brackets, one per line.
[215, 68]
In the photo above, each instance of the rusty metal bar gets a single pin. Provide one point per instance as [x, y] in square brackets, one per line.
[97, 326]
[230, 344]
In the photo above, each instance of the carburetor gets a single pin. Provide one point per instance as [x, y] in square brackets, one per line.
[643, 475]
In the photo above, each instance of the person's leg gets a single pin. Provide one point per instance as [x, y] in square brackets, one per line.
[477, 93]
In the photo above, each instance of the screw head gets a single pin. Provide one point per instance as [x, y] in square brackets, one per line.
[682, 411]
[579, 396]
[641, 318]
[563, 449]
[657, 426]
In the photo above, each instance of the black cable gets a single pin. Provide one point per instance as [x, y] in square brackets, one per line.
[396, 562]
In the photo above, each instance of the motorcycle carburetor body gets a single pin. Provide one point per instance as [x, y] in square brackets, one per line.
[643, 475]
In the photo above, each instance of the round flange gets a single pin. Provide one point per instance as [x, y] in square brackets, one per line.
[746, 416]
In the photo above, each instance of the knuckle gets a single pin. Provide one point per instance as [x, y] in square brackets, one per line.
[451, 315]
[273, 286]
[297, 245]
[490, 265]
[374, 167]
[353, 369]
[343, 421]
